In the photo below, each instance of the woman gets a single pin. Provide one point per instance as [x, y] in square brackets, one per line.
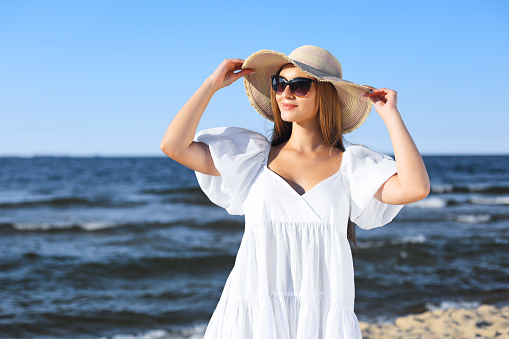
[293, 275]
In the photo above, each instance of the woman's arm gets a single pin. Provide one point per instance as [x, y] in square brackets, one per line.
[411, 183]
[178, 141]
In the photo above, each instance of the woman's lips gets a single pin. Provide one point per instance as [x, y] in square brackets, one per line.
[287, 106]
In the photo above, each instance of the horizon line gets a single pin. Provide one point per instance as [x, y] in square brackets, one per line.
[165, 156]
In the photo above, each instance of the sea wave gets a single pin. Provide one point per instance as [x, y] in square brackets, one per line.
[473, 218]
[203, 262]
[447, 304]
[193, 332]
[66, 226]
[87, 226]
[69, 201]
[171, 190]
[490, 200]
[441, 188]
[414, 239]
[430, 202]
[473, 188]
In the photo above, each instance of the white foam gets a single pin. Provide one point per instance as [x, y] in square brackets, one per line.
[88, 226]
[441, 188]
[415, 239]
[490, 200]
[447, 304]
[477, 187]
[430, 202]
[369, 244]
[474, 218]
[154, 334]
[193, 332]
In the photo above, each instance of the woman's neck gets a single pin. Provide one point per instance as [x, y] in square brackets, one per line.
[306, 137]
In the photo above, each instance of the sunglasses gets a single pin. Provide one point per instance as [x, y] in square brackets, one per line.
[298, 86]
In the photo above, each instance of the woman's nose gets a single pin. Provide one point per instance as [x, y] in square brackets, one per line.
[287, 93]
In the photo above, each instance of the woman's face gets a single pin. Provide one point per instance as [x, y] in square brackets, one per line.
[295, 109]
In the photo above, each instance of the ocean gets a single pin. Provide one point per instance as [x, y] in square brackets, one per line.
[131, 248]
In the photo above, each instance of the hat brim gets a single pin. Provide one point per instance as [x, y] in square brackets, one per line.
[355, 108]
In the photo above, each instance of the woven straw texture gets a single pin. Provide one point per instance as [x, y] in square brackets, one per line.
[315, 62]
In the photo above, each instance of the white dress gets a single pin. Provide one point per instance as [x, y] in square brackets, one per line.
[293, 276]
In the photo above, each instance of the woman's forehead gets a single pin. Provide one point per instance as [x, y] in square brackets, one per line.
[291, 70]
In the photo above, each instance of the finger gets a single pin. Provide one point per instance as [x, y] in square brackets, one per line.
[377, 92]
[233, 67]
[381, 90]
[232, 64]
[375, 97]
[237, 61]
[386, 90]
[249, 70]
[370, 87]
[242, 73]
[372, 93]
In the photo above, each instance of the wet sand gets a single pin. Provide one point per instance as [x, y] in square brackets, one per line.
[484, 322]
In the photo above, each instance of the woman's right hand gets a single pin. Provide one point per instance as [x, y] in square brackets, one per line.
[178, 141]
[225, 74]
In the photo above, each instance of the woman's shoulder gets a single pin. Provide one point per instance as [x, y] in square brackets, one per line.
[230, 132]
[359, 159]
[361, 152]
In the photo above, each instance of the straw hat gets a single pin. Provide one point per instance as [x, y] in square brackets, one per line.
[317, 63]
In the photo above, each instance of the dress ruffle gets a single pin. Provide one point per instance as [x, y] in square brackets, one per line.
[238, 155]
[367, 171]
[283, 317]
[290, 280]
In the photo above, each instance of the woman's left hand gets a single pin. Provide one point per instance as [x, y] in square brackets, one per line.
[385, 100]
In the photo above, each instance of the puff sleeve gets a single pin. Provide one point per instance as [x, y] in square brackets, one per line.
[367, 171]
[238, 155]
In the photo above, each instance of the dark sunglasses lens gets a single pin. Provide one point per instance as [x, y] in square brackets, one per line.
[278, 85]
[300, 87]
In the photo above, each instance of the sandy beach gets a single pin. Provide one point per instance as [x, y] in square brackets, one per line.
[484, 322]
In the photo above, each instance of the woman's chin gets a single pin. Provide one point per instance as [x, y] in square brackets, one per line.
[286, 116]
[293, 118]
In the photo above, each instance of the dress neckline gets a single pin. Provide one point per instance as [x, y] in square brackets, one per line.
[265, 165]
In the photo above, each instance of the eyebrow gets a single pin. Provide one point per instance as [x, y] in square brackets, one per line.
[296, 78]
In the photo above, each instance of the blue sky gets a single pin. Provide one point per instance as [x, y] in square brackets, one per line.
[100, 78]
